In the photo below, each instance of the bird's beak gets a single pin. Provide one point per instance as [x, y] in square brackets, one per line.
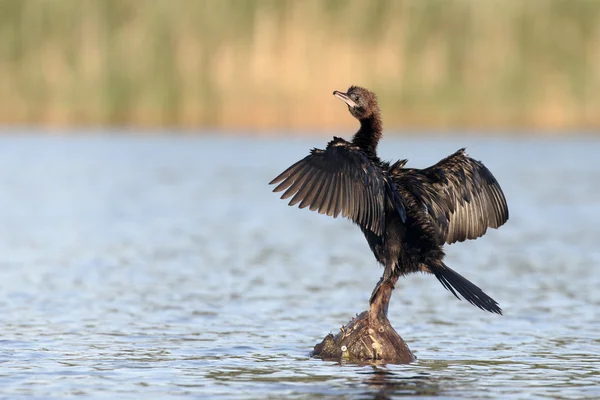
[344, 97]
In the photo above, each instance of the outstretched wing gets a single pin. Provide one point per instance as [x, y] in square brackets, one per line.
[339, 179]
[461, 196]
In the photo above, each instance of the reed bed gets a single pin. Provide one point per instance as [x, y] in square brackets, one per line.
[272, 64]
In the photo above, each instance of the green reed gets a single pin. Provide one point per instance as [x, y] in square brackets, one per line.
[274, 63]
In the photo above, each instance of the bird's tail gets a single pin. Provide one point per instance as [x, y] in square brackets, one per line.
[455, 282]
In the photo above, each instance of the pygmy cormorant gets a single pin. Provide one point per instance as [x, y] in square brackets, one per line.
[406, 214]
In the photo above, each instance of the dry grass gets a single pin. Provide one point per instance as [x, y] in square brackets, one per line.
[274, 63]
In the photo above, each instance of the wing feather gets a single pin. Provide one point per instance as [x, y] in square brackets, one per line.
[461, 196]
[292, 185]
[339, 179]
[310, 190]
[319, 192]
[323, 197]
[337, 193]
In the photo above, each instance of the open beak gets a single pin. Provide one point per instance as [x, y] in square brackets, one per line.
[344, 97]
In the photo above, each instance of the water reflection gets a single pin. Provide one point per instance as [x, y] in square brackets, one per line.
[384, 384]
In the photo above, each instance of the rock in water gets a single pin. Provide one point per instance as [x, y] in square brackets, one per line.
[368, 337]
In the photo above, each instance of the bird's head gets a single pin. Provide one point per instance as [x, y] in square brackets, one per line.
[362, 103]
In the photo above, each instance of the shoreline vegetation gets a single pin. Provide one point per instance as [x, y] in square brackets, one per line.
[255, 65]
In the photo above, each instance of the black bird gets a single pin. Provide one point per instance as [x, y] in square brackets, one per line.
[406, 214]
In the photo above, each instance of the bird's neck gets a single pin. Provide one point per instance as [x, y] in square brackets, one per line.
[368, 135]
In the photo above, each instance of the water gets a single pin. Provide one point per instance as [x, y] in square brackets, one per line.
[164, 267]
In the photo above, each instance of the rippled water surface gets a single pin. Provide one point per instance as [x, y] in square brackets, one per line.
[165, 267]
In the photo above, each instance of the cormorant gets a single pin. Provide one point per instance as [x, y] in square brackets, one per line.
[406, 214]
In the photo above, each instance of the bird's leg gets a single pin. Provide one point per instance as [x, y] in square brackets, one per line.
[374, 294]
[380, 298]
[388, 276]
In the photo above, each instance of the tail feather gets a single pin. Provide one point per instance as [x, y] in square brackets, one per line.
[455, 282]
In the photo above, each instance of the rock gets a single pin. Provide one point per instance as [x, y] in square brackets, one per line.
[367, 337]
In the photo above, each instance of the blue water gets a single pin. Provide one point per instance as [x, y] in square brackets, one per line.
[163, 267]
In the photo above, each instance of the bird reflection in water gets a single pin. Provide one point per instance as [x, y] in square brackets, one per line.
[385, 384]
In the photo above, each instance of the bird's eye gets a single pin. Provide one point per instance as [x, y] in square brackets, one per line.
[354, 96]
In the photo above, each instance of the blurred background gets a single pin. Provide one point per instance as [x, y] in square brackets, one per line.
[143, 254]
[263, 65]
